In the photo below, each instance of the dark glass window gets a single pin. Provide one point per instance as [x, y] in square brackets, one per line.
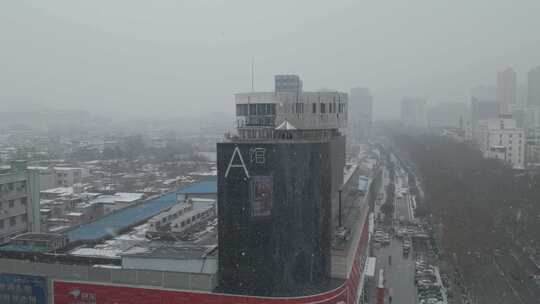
[270, 109]
[261, 109]
[241, 110]
[252, 109]
[341, 107]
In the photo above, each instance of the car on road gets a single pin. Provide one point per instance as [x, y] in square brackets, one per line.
[406, 246]
[401, 232]
[535, 276]
[430, 301]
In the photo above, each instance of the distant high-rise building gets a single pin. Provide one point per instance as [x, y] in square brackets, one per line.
[481, 110]
[533, 88]
[288, 83]
[483, 93]
[447, 114]
[484, 109]
[506, 87]
[413, 112]
[521, 98]
[361, 113]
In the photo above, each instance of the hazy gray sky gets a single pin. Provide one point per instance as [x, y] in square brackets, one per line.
[174, 58]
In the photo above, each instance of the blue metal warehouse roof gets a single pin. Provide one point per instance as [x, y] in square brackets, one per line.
[112, 223]
[201, 188]
[115, 222]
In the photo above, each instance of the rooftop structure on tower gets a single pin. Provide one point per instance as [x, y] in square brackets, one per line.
[278, 190]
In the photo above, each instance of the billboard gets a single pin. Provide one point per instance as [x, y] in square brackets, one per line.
[261, 196]
[22, 289]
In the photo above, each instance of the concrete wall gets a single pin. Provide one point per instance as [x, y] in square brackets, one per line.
[162, 264]
[337, 161]
[33, 204]
[137, 278]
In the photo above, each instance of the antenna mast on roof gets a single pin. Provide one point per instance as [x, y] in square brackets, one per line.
[252, 74]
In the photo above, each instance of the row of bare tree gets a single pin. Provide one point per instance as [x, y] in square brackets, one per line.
[480, 207]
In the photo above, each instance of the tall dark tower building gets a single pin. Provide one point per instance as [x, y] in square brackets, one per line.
[278, 182]
[533, 87]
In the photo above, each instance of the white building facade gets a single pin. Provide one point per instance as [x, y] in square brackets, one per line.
[19, 201]
[265, 114]
[502, 139]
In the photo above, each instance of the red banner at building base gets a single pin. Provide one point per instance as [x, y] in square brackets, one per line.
[83, 293]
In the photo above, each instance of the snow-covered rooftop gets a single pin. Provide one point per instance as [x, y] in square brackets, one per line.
[59, 191]
[118, 197]
[95, 252]
[74, 214]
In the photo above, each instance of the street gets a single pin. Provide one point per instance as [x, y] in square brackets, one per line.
[403, 211]
[399, 275]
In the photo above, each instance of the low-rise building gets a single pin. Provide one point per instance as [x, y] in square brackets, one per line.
[108, 203]
[54, 177]
[181, 217]
[71, 206]
[41, 241]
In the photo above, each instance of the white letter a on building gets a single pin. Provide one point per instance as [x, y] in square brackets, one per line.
[238, 163]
